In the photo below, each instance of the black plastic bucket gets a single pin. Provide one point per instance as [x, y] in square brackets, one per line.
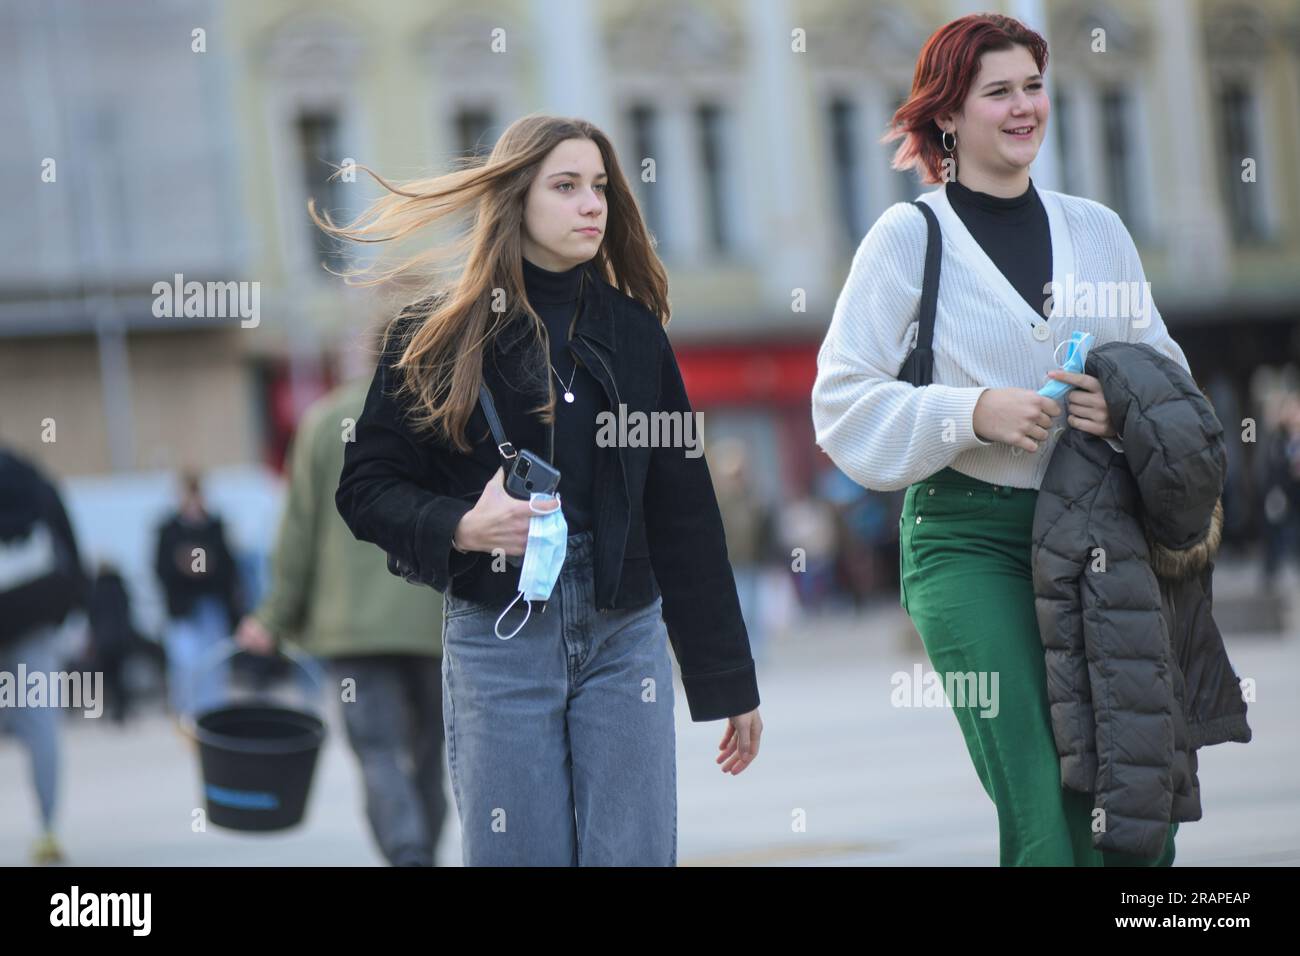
[257, 759]
[257, 763]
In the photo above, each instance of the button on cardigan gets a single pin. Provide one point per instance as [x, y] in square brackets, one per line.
[886, 434]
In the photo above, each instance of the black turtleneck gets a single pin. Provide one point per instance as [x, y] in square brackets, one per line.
[1013, 232]
[554, 296]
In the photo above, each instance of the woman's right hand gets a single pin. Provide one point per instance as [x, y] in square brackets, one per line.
[497, 520]
[1018, 417]
[251, 635]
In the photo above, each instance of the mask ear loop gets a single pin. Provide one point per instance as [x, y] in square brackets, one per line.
[1055, 351]
[1077, 343]
[1058, 364]
[532, 500]
[496, 628]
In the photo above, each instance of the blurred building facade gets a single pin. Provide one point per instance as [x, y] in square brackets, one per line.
[763, 120]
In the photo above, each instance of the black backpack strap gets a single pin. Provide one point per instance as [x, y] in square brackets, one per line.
[506, 449]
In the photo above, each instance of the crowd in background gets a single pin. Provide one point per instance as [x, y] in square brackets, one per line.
[834, 549]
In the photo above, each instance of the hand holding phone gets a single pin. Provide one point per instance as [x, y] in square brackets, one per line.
[497, 520]
[531, 475]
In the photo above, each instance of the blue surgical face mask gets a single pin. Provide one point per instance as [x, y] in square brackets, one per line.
[1079, 344]
[548, 537]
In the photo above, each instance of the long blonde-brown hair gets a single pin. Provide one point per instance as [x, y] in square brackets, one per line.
[441, 359]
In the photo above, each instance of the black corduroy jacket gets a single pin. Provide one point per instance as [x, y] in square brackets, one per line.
[657, 527]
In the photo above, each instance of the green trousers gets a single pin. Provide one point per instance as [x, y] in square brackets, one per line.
[967, 584]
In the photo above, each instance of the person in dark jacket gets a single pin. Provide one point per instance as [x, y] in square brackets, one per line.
[561, 740]
[1138, 677]
[333, 596]
[200, 582]
[1280, 489]
[750, 527]
[112, 636]
[41, 581]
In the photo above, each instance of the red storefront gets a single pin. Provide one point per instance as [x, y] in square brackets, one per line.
[769, 383]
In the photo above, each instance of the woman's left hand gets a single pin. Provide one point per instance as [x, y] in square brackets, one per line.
[740, 742]
[1086, 405]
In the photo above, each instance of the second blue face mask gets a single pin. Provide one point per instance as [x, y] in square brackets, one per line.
[1079, 344]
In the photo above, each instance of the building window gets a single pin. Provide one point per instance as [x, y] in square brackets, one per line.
[474, 135]
[843, 122]
[906, 183]
[709, 130]
[1116, 139]
[1236, 136]
[1062, 117]
[318, 149]
[643, 123]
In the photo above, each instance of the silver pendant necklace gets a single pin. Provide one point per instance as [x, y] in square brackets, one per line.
[568, 389]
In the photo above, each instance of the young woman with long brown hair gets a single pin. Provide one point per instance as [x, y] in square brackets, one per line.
[560, 736]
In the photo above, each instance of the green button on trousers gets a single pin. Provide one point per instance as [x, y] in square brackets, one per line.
[967, 584]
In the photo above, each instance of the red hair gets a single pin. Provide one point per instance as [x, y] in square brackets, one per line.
[944, 73]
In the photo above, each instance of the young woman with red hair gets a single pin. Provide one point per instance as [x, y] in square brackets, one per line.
[972, 446]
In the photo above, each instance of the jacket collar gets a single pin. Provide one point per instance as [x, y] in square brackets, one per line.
[596, 321]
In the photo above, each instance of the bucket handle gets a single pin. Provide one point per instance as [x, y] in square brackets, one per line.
[226, 648]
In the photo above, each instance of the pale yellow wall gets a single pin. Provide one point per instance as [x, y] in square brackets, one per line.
[190, 401]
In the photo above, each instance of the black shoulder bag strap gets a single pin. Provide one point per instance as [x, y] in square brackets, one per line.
[918, 367]
[506, 449]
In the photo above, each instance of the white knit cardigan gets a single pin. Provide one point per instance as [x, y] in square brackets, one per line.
[886, 434]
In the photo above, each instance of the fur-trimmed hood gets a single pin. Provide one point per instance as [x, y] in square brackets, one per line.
[1178, 564]
[1169, 562]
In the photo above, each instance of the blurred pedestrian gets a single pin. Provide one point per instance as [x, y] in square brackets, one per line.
[751, 535]
[112, 637]
[861, 523]
[809, 532]
[41, 580]
[334, 596]
[200, 582]
[1280, 488]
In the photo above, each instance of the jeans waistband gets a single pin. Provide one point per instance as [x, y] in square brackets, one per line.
[578, 550]
[951, 478]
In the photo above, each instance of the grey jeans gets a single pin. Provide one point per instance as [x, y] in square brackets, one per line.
[37, 728]
[560, 741]
[395, 729]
